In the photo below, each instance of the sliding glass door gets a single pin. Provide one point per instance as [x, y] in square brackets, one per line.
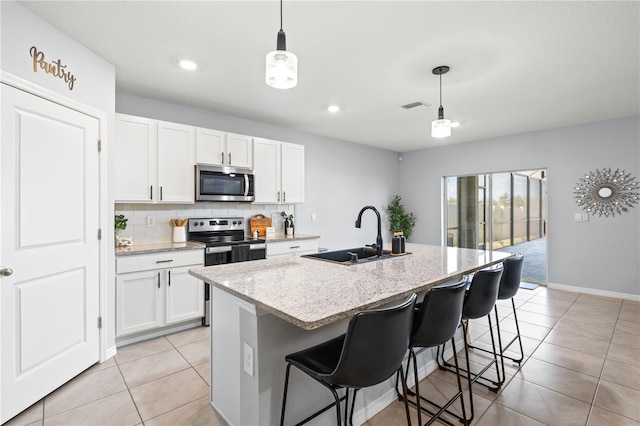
[496, 211]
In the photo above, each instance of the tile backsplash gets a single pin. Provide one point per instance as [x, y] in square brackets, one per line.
[142, 234]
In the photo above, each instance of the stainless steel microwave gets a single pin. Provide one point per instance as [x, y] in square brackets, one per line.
[218, 183]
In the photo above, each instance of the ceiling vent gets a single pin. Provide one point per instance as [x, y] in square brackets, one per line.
[415, 104]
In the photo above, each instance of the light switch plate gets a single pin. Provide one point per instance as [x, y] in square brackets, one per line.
[577, 217]
[151, 221]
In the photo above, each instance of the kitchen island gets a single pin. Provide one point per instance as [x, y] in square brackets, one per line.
[265, 309]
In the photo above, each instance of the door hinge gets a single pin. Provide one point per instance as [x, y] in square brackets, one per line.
[99, 322]
[99, 233]
[99, 145]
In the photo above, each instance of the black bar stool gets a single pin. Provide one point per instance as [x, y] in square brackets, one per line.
[435, 322]
[369, 352]
[509, 285]
[479, 301]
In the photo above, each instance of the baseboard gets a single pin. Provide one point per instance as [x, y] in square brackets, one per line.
[594, 292]
[111, 352]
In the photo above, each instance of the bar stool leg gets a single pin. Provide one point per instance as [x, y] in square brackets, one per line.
[284, 397]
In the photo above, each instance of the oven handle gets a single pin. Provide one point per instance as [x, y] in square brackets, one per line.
[223, 249]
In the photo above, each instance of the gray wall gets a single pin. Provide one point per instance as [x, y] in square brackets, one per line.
[341, 177]
[601, 254]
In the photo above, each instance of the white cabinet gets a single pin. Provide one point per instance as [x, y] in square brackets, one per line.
[279, 170]
[154, 161]
[156, 290]
[283, 248]
[223, 149]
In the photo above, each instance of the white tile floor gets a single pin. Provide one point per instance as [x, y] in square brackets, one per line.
[582, 367]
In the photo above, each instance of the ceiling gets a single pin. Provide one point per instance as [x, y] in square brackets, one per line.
[516, 66]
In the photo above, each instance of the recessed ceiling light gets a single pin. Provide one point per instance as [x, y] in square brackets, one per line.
[188, 65]
[455, 124]
[333, 108]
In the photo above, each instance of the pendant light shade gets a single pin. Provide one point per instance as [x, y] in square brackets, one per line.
[282, 66]
[441, 128]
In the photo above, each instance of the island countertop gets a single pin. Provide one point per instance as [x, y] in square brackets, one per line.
[311, 293]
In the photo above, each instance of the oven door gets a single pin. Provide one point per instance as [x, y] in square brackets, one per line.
[224, 184]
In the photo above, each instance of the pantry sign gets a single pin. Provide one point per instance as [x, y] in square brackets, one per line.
[55, 68]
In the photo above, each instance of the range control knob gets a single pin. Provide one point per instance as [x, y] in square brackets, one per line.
[201, 223]
[239, 222]
[234, 222]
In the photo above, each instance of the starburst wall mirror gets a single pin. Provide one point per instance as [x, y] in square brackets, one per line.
[607, 193]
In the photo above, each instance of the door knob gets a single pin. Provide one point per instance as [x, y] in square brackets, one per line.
[5, 272]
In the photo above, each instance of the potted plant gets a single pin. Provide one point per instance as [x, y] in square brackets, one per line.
[120, 224]
[399, 220]
[288, 223]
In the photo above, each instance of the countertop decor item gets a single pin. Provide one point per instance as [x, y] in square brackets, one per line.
[288, 223]
[179, 230]
[259, 223]
[119, 224]
[399, 220]
[606, 192]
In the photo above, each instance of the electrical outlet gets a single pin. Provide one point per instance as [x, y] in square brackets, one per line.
[313, 217]
[151, 221]
[577, 217]
[585, 217]
[248, 360]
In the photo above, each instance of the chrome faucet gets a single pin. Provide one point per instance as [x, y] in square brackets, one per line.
[378, 244]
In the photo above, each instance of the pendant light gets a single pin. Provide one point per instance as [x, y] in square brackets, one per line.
[282, 66]
[441, 128]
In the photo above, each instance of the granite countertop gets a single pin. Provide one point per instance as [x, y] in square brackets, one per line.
[157, 248]
[279, 237]
[311, 293]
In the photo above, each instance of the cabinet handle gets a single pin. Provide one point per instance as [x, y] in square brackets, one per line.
[151, 192]
[164, 261]
[278, 196]
[160, 193]
[229, 158]
[158, 279]
[222, 157]
[294, 247]
[284, 196]
[169, 272]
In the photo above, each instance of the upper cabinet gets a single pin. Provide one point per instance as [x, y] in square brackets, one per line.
[223, 149]
[154, 161]
[279, 170]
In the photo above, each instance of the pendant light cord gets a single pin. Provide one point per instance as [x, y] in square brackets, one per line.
[440, 88]
[280, 15]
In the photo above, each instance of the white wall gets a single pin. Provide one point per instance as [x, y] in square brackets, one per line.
[601, 254]
[341, 177]
[94, 88]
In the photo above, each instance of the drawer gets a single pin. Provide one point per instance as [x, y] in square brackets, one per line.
[292, 247]
[168, 259]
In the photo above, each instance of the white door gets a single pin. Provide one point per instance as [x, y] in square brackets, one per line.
[49, 218]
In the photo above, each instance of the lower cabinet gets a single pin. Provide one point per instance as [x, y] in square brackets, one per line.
[156, 290]
[284, 248]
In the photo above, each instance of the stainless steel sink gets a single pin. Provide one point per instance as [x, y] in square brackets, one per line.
[352, 256]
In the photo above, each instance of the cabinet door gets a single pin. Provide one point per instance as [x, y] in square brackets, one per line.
[135, 164]
[185, 295]
[139, 304]
[266, 162]
[210, 147]
[239, 151]
[176, 161]
[292, 173]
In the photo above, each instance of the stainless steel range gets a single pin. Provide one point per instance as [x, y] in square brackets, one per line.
[226, 243]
